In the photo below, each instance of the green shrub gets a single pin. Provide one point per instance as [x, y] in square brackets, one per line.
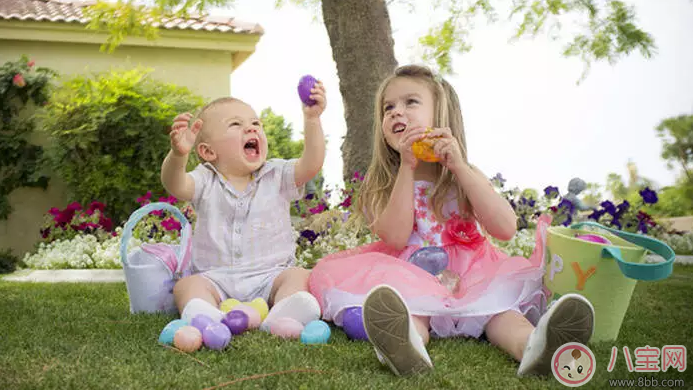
[8, 261]
[22, 85]
[110, 135]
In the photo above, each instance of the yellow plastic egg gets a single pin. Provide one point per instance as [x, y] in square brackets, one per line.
[423, 149]
[260, 305]
[228, 305]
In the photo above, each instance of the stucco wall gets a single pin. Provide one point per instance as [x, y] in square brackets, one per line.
[205, 72]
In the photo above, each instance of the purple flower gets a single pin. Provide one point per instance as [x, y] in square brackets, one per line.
[309, 196]
[499, 179]
[358, 176]
[648, 196]
[309, 235]
[566, 205]
[298, 206]
[551, 191]
[609, 207]
[622, 208]
[596, 214]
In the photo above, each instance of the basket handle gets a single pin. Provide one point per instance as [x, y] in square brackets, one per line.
[182, 253]
[639, 271]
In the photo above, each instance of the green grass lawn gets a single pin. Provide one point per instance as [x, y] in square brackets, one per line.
[81, 336]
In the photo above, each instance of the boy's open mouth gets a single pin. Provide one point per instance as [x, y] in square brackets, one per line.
[252, 148]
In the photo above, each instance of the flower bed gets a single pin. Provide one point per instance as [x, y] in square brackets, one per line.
[77, 238]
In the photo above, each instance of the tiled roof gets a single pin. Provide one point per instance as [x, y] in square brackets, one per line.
[70, 11]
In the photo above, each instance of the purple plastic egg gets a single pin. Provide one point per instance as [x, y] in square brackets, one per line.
[594, 238]
[433, 259]
[304, 86]
[352, 323]
[201, 321]
[216, 336]
[236, 321]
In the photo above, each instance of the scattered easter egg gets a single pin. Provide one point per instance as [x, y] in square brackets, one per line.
[187, 339]
[216, 336]
[286, 328]
[253, 315]
[236, 321]
[201, 321]
[594, 238]
[166, 336]
[228, 305]
[305, 84]
[433, 259]
[423, 148]
[352, 323]
[260, 305]
[315, 332]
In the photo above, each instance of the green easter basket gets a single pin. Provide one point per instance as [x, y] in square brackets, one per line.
[604, 274]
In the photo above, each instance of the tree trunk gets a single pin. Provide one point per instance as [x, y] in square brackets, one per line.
[363, 48]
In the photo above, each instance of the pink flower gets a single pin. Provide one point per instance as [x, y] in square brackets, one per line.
[317, 209]
[346, 202]
[74, 206]
[170, 200]
[86, 226]
[106, 223]
[31, 64]
[358, 176]
[54, 211]
[18, 80]
[143, 200]
[462, 232]
[158, 213]
[95, 206]
[171, 224]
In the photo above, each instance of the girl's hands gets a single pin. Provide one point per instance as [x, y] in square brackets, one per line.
[182, 135]
[447, 149]
[405, 150]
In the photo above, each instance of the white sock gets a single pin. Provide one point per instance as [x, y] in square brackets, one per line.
[197, 306]
[300, 306]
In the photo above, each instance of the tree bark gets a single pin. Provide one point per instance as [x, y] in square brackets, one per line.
[363, 49]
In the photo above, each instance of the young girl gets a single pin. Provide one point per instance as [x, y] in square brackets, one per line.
[411, 204]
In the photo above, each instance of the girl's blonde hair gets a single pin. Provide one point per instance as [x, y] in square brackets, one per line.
[380, 177]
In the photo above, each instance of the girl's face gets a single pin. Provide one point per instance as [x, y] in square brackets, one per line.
[407, 104]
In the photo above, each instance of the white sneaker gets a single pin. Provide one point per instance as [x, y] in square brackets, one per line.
[569, 319]
[392, 332]
[301, 306]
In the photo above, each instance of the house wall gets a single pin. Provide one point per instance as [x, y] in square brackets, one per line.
[205, 72]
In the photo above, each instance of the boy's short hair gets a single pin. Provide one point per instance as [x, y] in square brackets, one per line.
[201, 112]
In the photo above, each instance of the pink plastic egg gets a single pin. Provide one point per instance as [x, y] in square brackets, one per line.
[253, 316]
[187, 339]
[286, 328]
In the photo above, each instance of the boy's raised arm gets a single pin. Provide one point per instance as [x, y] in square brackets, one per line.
[173, 175]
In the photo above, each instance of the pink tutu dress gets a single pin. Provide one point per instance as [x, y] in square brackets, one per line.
[490, 281]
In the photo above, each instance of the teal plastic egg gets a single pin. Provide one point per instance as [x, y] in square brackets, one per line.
[315, 332]
[166, 336]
